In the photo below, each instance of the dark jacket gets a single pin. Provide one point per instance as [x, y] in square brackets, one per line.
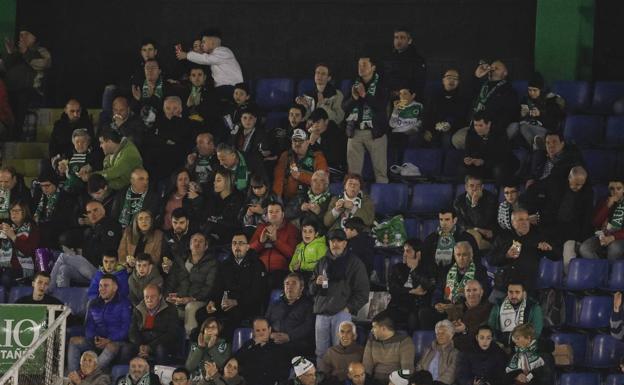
[478, 363]
[494, 148]
[222, 216]
[404, 67]
[451, 107]
[151, 202]
[134, 129]
[363, 247]
[61, 138]
[422, 276]
[348, 285]
[168, 145]
[502, 106]
[480, 275]
[105, 235]
[163, 333]
[245, 282]
[430, 245]
[332, 144]
[297, 320]
[110, 320]
[472, 318]
[293, 209]
[551, 113]
[377, 103]
[58, 221]
[136, 284]
[568, 216]
[569, 157]
[263, 364]
[253, 147]
[174, 247]
[199, 283]
[482, 216]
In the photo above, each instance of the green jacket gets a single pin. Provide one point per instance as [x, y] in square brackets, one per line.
[118, 166]
[219, 354]
[308, 254]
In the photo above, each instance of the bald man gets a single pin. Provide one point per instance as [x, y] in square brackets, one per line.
[73, 117]
[126, 122]
[138, 373]
[136, 197]
[357, 374]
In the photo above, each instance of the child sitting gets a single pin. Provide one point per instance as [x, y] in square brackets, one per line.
[526, 365]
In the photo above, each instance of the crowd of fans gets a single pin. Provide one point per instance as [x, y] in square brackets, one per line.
[182, 214]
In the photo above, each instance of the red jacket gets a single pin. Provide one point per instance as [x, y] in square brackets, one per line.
[276, 257]
[601, 217]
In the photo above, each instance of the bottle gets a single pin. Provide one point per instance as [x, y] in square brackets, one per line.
[325, 280]
[397, 240]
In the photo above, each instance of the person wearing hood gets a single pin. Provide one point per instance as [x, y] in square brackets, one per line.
[387, 350]
[485, 361]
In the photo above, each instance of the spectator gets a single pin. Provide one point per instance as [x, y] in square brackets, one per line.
[238, 101]
[243, 277]
[70, 267]
[148, 51]
[305, 373]
[516, 309]
[79, 164]
[230, 374]
[126, 123]
[447, 111]
[191, 281]
[275, 243]
[324, 95]
[328, 138]
[97, 190]
[224, 207]
[356, 375]
[181, 376]
[476, 211]
[136, 197]
[11, 190]
[247, 134]
[259, 195]
[404, 64]
[352, 203]
[19, 237]
[106, 326]
[40, 284]
[201, 102]
[438, 247]
[226, 71]
[26, 65]
[312, 248]
[609, 220]
[488, 152]
[121, 158]
[484, 362]
[421, 377]
[508, 205]
[340, 288]
[517, 252]
[527, 364]
[406, 119]
[183, 192]
[441, 358]
[616, 328]
[72, 118]
[313, 202]
[411, 285]
[175, 241]
[277, 139]
[110, 265]
[89, 372]
[210, 348]
[149, 94]
[295, 167]
[50, 208]
[367, 123]
[138, 373]
[240, 166]
[262, 361]
[202, 162]
[143, 275]
[553, 164]
[387, 350]
[337, 359]
[474, 312]
[141, 237]
[361, 243]
[292, 318]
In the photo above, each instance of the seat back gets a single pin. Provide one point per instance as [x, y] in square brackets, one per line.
[616, 276]
[275, 93]
[606, 352]
[520, 86]
[576, 94]
[430, 198]
[274, 119]
[600, 164]
[605, 94]
[452, 161]
[276, 294]
[578, 342]
[389, 198]
[584, 130]
[550, 274]
[118, 371]
[345, 88]
[305, 86]
[241, 335]
[422, 340]
[18, 292]
[412, 228]
[614, 134]
[428, 160]
[595, 312]
[585, 274]
[579, 379]
[615, 379]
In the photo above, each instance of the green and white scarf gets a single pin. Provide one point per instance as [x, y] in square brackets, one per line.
[241, 173]
[127, 380]
[195, 96]
[444, 248]
[5, 201]
[366, 115]
[148, 113]
[132, 204]
[203, 169]
[45, 207]
[357, 204]
[6, 252]
[525, 359]
[454, 289]
[76, 162]
[318, 199]
[510, 317]
[616, 220]
[486, 92]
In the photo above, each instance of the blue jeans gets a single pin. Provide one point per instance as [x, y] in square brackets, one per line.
[71, 268]
[79, 345]
[326, 331]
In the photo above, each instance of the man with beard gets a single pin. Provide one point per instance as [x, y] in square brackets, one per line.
[11, 190]
[73, 117]
[138, 374]
[176, 240]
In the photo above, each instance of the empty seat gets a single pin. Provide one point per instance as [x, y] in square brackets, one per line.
[549, 274]
[452, 159]
[305, 86]
[428, 160]
[428, 226]
[578, 342]
[18, 292]
[585, 274]
[584, 130]
[275, 119]
[422, 340]
[614, 134]
[345, 88]
[615, 379]
[593, 312]
[74, 297]
[580, 379]
[118, 371]
[276, 295]
[616, 276]
[605, 94]
[411, 227]
[601, 192]
[275, 93]
[389, 198]
[430, 198]
[606, 352]
[576, 94]
[2, 295]
[241, 335]
[521, 87]
[600, 164]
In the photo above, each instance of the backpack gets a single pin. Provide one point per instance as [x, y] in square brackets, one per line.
[553, 307]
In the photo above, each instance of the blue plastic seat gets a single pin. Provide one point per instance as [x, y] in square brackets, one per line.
[74, 297]
[275, 93]
[615, 379]
[616, 276]
[593, 312]
[585, 274]
[379, 266]
[118, 371]
[275, 119]
[422, 340]
[2, 295]
[411, 227]
[605, 94]
[305, 86]
[336, 188]
[606, 352]
[430, 198]
[241, 335]
[578, 342]
[428, 160]
[584, 130]
[580, 379]
[601, 192]
[428, 226]
[549, 274]
[521, 87]
[600, 164]
[452, 159]
[345, 88]
[614, 134]
[389, 198]
[276, 295]
[395, 259]
[576, 94]
[18, 292]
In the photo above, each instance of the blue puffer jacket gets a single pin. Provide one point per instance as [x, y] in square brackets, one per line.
[109, 320]
[122, 282]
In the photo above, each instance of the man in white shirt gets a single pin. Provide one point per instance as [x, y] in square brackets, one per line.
[226, 71]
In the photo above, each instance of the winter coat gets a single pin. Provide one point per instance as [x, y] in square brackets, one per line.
[449, 358]
[136, 284]
[478, 363]
[198, 283]
[109, 320]
[276, 256]
[384, 357]
[152, 246]
[117, 167]
[308, 254]
[164, 332]
[122, 282]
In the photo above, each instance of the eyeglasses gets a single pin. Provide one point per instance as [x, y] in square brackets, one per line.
[238, 243]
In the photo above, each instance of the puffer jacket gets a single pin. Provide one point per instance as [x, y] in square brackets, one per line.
[308, 255]
[122, 281]
[110, 320]
[198, 283]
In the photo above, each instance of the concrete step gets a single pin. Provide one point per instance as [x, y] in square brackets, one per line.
[26, 167]
[25, 150]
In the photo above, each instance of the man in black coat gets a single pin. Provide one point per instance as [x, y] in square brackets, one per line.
[136, 197]
[127, 123]
[404, 64]
[102, 234]
[176, 240]
[12, 189]
[476, 211]
[73, 117]
[327, 137]
[51, 208]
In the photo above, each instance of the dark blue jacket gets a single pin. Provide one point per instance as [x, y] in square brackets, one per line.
[122, 282]
[109, 320]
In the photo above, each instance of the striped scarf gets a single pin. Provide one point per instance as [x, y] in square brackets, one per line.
[525, 359]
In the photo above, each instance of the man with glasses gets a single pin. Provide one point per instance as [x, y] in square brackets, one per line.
[243, 279]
